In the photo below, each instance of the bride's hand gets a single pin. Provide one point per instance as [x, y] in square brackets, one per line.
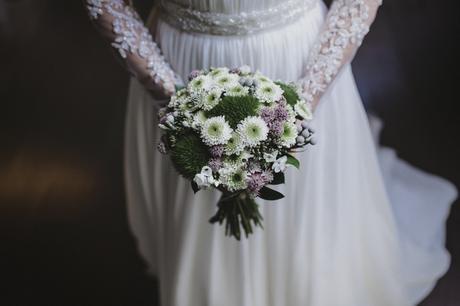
[162, 91]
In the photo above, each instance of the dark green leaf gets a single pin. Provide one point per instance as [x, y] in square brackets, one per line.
[270, 194]
[179, 87]
[291, 160]
[289, 93]
[194, 187]
[278, 178]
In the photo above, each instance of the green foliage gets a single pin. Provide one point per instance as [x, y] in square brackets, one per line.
[239, 212]
[289, 94]
[291, 160]
[189, 155]
[235, 109]
[270, 194]
[278, 179]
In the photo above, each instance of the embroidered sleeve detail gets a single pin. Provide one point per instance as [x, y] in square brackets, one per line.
[347, 23]
[133, 42]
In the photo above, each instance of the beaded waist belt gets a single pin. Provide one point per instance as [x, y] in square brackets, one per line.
[214, 23]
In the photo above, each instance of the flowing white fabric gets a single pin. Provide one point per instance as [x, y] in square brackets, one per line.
[339, 237]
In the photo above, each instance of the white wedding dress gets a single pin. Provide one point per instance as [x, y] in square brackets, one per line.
[358, 226]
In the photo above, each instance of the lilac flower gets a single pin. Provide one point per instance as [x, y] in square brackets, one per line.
[276, 127]
[267, 115]
[253, 166]
[163, 119]
[268, 175]
[216, 151]
[193, 74]
[215, 164]
[257, 180]
[235, 70]
[280, 113]
[162, 148]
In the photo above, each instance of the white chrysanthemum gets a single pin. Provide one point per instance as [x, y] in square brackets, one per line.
[186, 105]
[211, 98]
[217, 72]
[200, 83]
[234, 178]
[198, 119]
[234, 145]
[289, 135]
[291, 113]
[228, 80]
[178, 98]
[253, 130]
[216, 131]
[245, 70]
[237, 91]
[262, 78]
[268, 92]
[303, 109]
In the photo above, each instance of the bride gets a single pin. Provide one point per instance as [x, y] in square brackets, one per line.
[350, 231]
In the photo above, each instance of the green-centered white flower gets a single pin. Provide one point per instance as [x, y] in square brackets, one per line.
[211, 98]
[244, 70]
[291, 113]
[200, 83]
[178, 98]
[227, 81]
[199, 119]
[186, 105]
[237, 91]
[303, 109]
[234, 145]
[262, 78]
[268, 92]
[253, 130]
[217, 72]
[234, 178]
[289, 135]
[216, 131]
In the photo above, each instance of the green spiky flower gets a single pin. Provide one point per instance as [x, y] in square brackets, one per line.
[235, 109]
[189, 155]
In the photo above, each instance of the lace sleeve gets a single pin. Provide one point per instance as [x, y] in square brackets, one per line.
[122, 26]
[347, 23]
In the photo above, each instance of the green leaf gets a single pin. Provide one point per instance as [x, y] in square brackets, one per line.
[179, 87]
[195, 187]
[289, 93]
[291, 160]
[270, 194]
[278, 178]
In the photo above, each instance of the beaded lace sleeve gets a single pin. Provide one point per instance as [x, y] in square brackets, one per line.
[118, 21]
[347, 23]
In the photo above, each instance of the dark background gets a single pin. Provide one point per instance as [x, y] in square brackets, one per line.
[64, 237]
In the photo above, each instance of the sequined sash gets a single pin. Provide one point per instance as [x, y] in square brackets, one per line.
[190, 20]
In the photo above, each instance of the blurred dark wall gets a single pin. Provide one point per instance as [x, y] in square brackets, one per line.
[65, 238]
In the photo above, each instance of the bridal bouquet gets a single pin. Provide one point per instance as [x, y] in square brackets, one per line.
[235, 130]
